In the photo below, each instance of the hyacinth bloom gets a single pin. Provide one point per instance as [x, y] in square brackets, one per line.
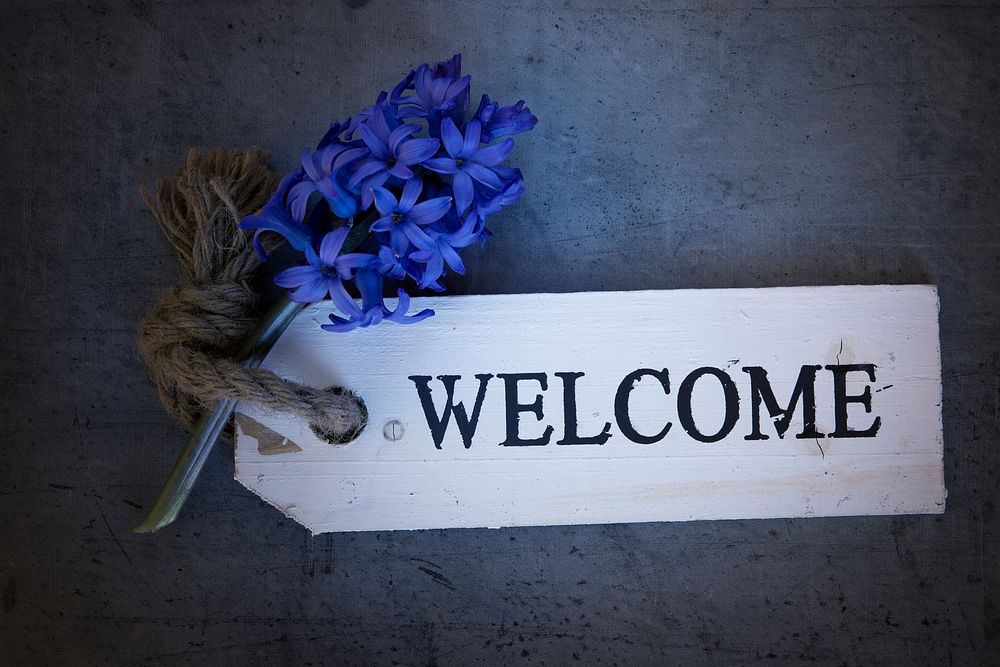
[498, 121]
[509, 194]
[440, 92]
[392, 153]
[278, 216]
[467, 161]
[326, 176]
[404, 219]
[444, 251]
[325, 273]
[373, 309]
[434, 174]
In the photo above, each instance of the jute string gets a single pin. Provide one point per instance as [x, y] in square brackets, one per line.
[189, 338]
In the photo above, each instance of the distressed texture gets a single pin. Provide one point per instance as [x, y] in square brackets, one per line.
[415, 479]
[710, 144]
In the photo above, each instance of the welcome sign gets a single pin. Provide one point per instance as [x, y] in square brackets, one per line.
[540, 409]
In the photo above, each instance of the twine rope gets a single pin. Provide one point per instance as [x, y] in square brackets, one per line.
[188, 339]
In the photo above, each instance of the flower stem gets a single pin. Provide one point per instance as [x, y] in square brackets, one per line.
[208, 428]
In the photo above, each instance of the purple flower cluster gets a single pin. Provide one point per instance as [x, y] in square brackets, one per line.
[395, 192]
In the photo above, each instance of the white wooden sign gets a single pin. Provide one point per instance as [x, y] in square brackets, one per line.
[540, 409]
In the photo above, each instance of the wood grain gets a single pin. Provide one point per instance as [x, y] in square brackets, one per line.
[396, 477]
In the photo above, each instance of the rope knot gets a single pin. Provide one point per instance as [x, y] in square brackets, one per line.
[188, 338]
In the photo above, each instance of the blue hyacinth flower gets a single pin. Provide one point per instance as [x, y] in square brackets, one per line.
[466, 161]
[328, 176]
[434, 174]
[404, 219]
[507, 195]
[392, 153]
[325, 273]
[441, 92]
[444, 250]
[498, 121]
[278, 216]
[373, 309]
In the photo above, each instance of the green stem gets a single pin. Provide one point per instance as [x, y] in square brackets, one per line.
[207, 430]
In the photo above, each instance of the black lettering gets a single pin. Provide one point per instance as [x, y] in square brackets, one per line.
[732, 397]
[570, 432]
[760, 391]
[438, 426]
[622, 405]
[841, 400]
[514, 408]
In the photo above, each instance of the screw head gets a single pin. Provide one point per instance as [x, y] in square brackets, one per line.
[393, 430]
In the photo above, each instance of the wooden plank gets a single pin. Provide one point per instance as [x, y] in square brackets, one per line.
[880, 341]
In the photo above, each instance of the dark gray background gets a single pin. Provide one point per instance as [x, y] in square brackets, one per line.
[705, 144]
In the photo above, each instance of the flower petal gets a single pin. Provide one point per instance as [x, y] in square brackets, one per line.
[442, 165]
[465, 234]
[402, 305]
[457, 87]
[329, 154]
[451, 138]
[385, 202]
[342, 299]
[355, 260]
[348, 156]
[310, 292]
[341, 326]
[309, 164]
[422, 80]
[370, 286]
[472, 132]
[331, 244]
[342, 203]
[312, 257]
[377, 123]
[382, 225]
[433, 270]
[411, 191]
[331, 136]
[428, 211]
[396, 96]
[413, 112]
[417, 236]
[397, 239]
[297, 275]
[412, 319]
[449, 255]
[389, 263]
[484, 175]
[376, 181]
[366, 169]
[415, 151]
[296, 235]
[464, 192]
[401, 171]
[375, 145]
[493, 155]
[298, 199]
[399, 134]
[399, 314]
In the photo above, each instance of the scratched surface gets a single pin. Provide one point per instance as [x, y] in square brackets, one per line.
[706, 144]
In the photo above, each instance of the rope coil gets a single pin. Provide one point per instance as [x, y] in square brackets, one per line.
[188, 339]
